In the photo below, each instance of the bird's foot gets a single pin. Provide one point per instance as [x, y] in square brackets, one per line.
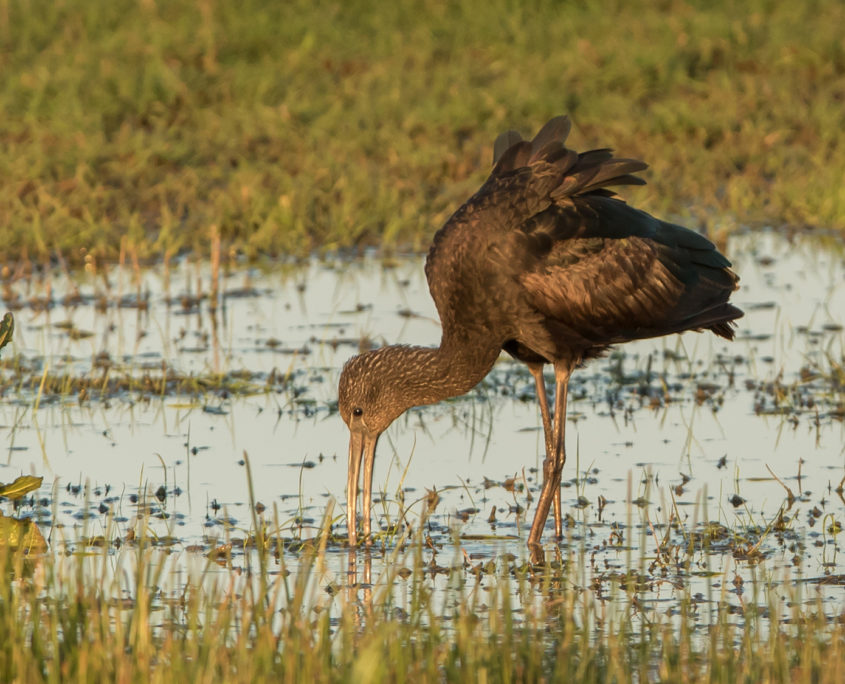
[536, 555]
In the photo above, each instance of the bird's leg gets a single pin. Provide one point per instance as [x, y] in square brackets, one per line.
[553, 467]
[562, 371]
[542, 398]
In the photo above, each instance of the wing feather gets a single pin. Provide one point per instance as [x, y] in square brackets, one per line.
[503, 143]
[577, 268]
[555, 130]
[610, 273]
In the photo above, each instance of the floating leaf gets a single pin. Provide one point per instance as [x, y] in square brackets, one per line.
[21, 534]
[7, 328]
[23, 485]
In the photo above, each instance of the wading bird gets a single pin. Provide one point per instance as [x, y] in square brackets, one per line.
[545, 262]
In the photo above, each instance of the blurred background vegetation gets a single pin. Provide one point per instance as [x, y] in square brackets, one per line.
[310, 125]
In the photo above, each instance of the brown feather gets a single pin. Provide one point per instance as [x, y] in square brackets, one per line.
[543, 262]
[555, 130]
[503, 143]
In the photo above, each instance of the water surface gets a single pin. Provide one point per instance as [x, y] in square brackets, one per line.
[666, 439]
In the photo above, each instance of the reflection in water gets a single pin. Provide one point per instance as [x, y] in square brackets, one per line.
[359, 588]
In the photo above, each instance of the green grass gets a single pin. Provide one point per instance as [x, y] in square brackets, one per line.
[295, 126]
[120, 613]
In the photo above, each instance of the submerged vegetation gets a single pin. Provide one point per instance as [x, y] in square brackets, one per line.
[295, 126]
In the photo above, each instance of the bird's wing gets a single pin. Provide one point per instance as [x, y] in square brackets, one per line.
[588, 264]
[610, 273]
[528, 176]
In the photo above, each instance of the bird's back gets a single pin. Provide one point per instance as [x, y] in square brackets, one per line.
[547, 258]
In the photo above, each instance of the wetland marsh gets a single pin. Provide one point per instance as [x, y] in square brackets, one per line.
[702, 475]
[184, 418]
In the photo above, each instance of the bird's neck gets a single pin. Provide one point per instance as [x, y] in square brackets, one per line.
[437, 373]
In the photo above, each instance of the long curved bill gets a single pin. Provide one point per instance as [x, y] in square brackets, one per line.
[362, 447]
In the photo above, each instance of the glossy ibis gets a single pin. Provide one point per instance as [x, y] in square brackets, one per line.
[545, 262]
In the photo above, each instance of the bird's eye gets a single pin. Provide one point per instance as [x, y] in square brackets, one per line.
[357, 411]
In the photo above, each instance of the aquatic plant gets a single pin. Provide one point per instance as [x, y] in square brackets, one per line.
[116, 611]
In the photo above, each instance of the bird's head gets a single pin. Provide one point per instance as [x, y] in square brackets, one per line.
[369, 399]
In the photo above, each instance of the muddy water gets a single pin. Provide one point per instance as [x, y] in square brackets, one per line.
[663, 435]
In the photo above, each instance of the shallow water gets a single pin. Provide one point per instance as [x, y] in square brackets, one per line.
[663, 435]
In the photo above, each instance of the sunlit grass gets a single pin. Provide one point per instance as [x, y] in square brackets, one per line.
[298, 126]
[118, 612]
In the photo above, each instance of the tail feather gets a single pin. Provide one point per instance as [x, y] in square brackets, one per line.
[718, 319]
[722, 320]
[726, 329]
